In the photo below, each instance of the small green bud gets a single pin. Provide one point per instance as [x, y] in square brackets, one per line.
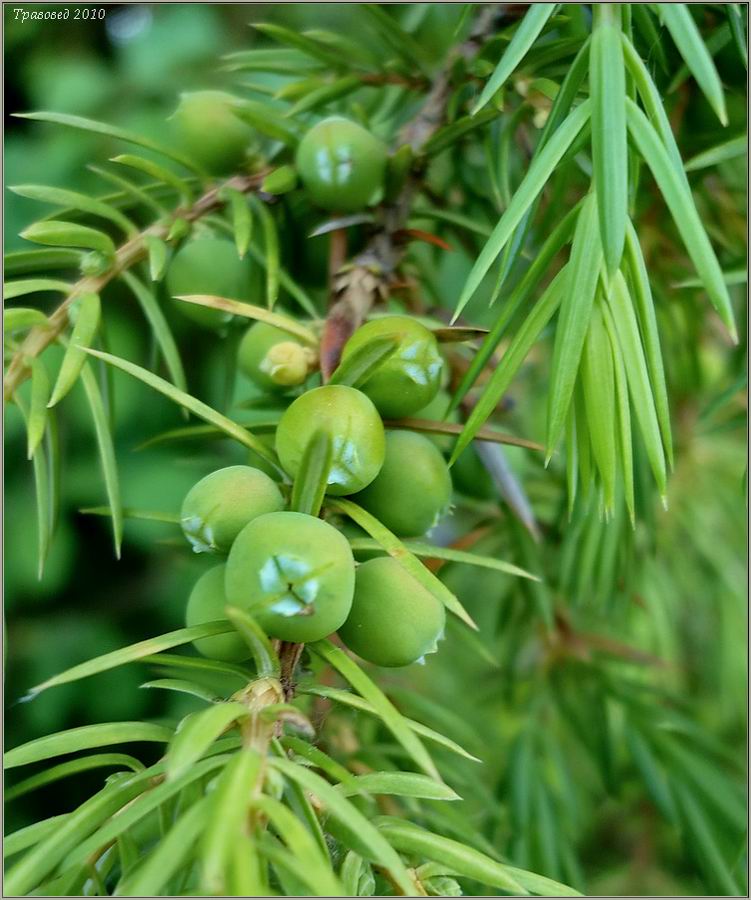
[274, 359]
[280, 181]
[179, 229]
[481, 68]
[288, 363]
[95, 263]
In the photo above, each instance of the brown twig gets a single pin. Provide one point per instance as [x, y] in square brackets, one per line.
[40, 337]
[289, 656]
[337, 253]
[488, 435]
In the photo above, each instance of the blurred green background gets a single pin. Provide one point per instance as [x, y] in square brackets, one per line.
[128, 69]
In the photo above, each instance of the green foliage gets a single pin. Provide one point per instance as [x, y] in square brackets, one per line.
[521, 175]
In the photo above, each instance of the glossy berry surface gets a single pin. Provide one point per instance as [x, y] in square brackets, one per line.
[274, 359]
[355, 428]
[341, 164]
[208, 266]
[411, 377]
[209, 132]
[206, 604]
[220, 505]
[293, 573]
[394, 620]
[413, 488]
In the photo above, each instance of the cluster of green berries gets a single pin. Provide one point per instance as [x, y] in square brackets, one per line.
[296, 574]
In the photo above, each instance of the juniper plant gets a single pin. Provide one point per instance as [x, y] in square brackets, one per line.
[534, 423]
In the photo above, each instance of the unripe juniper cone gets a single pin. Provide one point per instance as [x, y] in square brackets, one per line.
[220, 505]
[294, 574]
[341, 165]
[413, 488]
[208, 265]
[274, 359]
[206, 604]
[355, 428]
[209, 132]
[411, 377]
[394, 620]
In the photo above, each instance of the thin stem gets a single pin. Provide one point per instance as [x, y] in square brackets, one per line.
[289, 656]
[337, 253]
[131, 252]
